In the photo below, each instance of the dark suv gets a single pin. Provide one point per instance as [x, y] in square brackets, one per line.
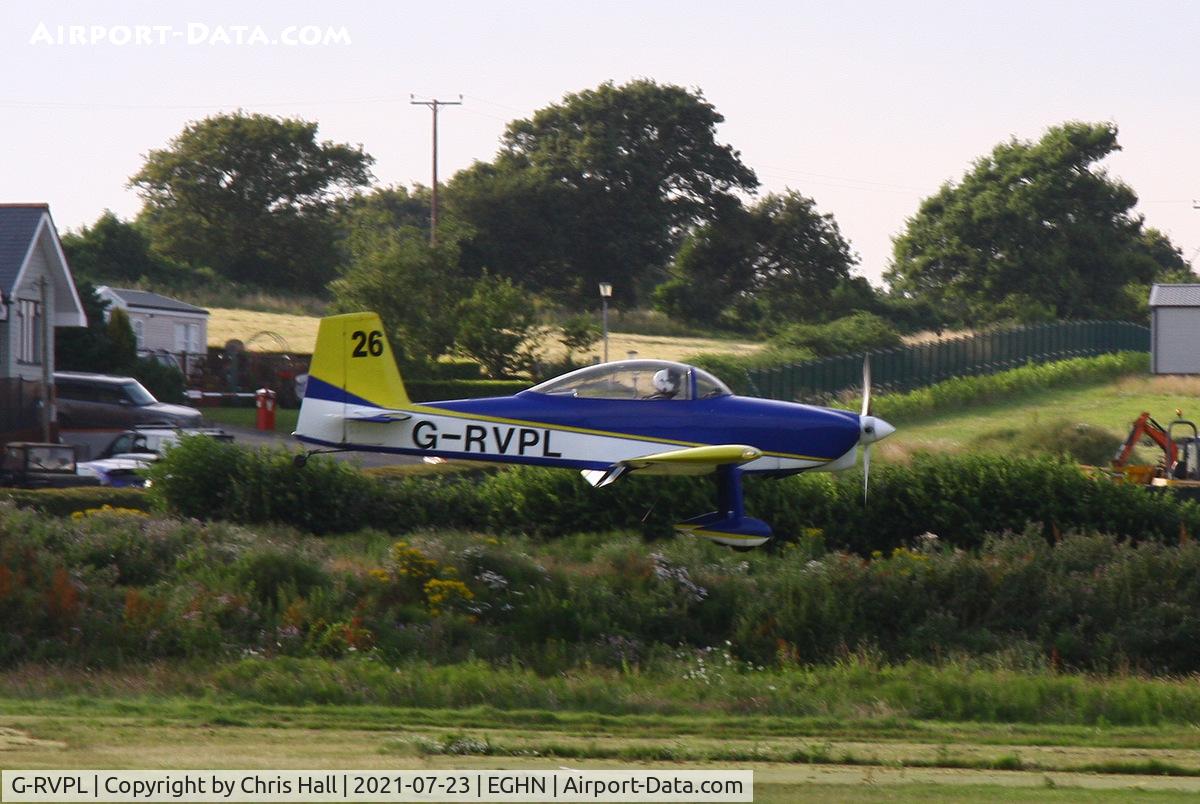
[100, 400]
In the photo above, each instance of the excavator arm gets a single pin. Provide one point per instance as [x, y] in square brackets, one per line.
[1146, 427]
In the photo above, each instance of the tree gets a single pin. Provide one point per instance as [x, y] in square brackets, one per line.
[249, 196]
[87, 348]
[1032, 231]
[778, 262]
[860, 332]
[413, 286]
[496, 327]
[114, 250]
[599, 187]
[579, 333]
[363, 214]
[120, 336]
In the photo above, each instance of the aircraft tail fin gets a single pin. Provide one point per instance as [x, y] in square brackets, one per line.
[353, 370]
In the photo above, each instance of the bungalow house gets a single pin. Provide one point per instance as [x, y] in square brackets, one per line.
[37, 294]
[165, 328]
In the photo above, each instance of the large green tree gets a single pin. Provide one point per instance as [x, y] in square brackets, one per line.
[1035, 230]
[382, 208]
[415, 288]
[248, 195]
[112, 250]
[599, 187]
[777, 262]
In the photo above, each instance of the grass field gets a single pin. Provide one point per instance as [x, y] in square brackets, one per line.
[1112, 406]
[812, 759]
[299, 332]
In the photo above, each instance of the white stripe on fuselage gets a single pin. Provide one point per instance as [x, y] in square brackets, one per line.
[459, 436]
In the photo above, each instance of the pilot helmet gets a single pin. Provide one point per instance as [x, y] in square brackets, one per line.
[665, 381]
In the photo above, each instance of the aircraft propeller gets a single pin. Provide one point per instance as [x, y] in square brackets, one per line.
[872, 429]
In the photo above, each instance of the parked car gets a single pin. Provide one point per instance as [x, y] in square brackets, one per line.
[136, 449]
[101, 400]
[34, 466]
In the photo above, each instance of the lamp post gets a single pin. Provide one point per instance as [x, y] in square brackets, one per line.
[605, 294]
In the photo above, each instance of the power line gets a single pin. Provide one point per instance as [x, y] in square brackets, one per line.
[434, 104]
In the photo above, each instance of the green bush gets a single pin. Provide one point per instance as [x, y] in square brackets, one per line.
[963, 498]
[111, 586]
[167, 383]
[860, 332]
[1083, 442]
[960, 498]
[271, 574]
[207, 478]
[455, 370]
[64, 502]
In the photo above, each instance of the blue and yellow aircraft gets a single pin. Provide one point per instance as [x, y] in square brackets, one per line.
[653, 417]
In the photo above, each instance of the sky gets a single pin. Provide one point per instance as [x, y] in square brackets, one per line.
[866, 107]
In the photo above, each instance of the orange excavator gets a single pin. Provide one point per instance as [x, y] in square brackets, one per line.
[1181, 452]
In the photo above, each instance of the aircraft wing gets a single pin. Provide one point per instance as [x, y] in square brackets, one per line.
[362, 413]
[690, 461]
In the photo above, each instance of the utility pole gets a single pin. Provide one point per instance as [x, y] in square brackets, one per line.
[434, 105]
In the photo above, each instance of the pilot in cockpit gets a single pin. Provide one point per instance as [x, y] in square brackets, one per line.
[666, 384]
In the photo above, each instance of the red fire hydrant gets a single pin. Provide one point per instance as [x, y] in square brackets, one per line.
[264, 400]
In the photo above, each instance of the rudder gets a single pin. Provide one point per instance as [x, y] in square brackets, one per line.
[353, 367]
[353, 356]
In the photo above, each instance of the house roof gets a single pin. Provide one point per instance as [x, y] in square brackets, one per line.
[1175, 296]
[146, 300]
[18, 226]
[23, 229]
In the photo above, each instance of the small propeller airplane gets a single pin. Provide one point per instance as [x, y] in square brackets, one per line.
[651, 417]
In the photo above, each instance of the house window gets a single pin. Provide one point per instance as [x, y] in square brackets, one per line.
[139, 332]
[29, 345]
[187, 339]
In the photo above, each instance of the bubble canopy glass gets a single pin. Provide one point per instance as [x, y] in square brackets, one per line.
[634, 379]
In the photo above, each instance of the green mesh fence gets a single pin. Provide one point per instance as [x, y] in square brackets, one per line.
[908, 367]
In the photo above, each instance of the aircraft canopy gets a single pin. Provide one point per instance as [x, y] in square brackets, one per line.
[636, 379]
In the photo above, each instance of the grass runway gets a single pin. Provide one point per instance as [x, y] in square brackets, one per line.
[871, 760]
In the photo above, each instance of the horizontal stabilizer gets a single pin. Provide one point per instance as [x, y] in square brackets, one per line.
[362, 413]
[690, 461]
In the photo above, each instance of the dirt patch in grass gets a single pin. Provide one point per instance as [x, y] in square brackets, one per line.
[14, 739]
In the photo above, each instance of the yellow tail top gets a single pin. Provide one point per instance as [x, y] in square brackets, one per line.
[353, 354]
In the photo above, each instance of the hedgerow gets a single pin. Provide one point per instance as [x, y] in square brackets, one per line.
[117, 586]
[211, 479]
[960, 498]
[64, 502]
